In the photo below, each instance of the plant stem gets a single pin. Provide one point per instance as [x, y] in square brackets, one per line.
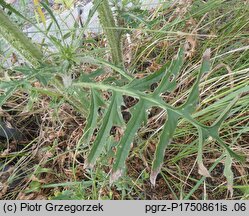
[113, 35]
[18, 40]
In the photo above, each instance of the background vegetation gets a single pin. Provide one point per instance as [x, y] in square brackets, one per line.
[155, 107]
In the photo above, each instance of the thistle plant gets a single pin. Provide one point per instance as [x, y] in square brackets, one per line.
[89, 89]
[112, 33]
[166, 77]
[11, 33]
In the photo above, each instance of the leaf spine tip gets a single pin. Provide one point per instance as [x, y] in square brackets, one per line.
[202, 170]
[153, 176]
[88, 165]
[207, 54]
[115, 176]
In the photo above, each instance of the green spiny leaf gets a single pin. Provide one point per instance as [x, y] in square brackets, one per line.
[190, 105]
[228, 173]
[113, 35]
[104, 132]
[165, 139]
[13, 10]
[145, 83]
[139, 115]
[238, 157]
[19, 41]
[147, 100]
[168, 82]
[96, 102]
[203, 135]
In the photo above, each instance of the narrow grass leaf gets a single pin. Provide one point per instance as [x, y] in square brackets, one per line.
[52, 17]
[6, 91]
[198, 184]
[214, 130]
[39, 11]
[216, 125]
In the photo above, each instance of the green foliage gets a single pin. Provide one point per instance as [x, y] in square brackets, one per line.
[13, 35]
[86, 95]
[112, 33]
[139, 115]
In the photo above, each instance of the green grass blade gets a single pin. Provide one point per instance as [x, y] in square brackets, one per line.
[7, 93]
[53, 18]
[198, 184]
[216, 125]
[115, 68]
[214, 130]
